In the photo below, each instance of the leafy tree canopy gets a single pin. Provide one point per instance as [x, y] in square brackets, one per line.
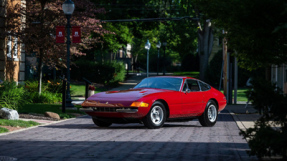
[250, 27]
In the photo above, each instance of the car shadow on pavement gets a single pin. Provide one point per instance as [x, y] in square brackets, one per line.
[81, 123]
[116, 126]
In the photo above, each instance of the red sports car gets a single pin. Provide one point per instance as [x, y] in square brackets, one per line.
[156, 100]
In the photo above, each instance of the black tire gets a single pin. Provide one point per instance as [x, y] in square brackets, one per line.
[101, 123]
[156, 116]
[209, 120]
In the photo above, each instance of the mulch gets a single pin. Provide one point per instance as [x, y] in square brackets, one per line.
[36, 116]
[43, 117]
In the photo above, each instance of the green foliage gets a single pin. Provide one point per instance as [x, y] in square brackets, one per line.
[181, 36]
[250, 26]
[3, 130]
[264, 138]
[32, 86]
[15, 123]
[120, 71]
[99, 73]
[51, 92]
[45, 97]
[11, 95]
[55, 86]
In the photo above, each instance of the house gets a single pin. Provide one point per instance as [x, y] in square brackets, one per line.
[12, 52]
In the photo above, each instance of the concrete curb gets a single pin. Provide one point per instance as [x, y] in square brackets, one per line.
[41, 125]
[237, 120]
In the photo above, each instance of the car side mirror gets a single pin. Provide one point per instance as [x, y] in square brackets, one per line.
[187, 90]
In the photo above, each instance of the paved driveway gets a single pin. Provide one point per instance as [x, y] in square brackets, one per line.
[80, 139]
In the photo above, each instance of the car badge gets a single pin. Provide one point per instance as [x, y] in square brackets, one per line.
[107, 102]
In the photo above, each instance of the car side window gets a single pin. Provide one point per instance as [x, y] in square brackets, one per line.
[185, 87]
[193, 85]
[204, 86]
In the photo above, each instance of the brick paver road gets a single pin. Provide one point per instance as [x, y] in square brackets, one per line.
[80, 139]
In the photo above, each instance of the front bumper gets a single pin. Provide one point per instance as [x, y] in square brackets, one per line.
[107, 109]
[113, 110]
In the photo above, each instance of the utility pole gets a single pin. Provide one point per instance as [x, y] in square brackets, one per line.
[225, 76]
[235, 78]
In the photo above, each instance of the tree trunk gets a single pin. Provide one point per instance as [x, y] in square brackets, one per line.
[205, 43]
[40, 72]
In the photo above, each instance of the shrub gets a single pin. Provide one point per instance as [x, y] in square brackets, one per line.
[32, 86]
[45, 97]
[120, 71]
[12, 96]
[55, 86]
[100, 73]
[263, 138]
[50, 91]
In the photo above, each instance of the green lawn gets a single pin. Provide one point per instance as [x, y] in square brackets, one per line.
[79, 90]
[241, 96]
[2, 130]
[15, 123]
[39, 108]
[188, 74]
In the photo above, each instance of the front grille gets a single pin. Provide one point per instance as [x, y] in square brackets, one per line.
[109, 109]
[106, 109]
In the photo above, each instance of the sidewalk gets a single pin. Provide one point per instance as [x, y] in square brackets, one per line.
[244, 117]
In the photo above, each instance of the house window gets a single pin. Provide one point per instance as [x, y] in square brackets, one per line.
[9, 48]
[15, 55]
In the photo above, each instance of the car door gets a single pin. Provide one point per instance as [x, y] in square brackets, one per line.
[192, 98]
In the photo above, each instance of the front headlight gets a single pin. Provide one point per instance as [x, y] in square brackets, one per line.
[139, 104]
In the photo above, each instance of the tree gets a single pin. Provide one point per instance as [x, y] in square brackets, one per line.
[37, 32]
[180, 35]
[257, 31]
[250, 29]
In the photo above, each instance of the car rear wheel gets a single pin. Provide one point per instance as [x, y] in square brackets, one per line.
[101, 123]
[209, 116]
[156, 116]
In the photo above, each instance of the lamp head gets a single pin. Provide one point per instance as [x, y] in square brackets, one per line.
[68, 7]
[147, 45]
[158, 44]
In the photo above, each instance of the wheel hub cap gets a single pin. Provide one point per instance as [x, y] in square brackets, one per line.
[212, 113]
[156, 115]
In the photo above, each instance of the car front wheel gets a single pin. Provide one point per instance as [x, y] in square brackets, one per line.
[101, 123]
[209, 116]
[156, 116]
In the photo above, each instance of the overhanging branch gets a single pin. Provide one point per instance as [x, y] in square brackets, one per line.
[153, 19]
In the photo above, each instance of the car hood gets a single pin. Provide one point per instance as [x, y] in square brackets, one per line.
[125, 97]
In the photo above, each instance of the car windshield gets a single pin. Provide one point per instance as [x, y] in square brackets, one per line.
[161, 83]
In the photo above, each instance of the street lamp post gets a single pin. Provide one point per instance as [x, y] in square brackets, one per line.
[147, 46]
[126, 60]
[158, 47]
[164, 45]
[68, 8]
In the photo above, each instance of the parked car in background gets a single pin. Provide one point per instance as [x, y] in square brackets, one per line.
[156, 100]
